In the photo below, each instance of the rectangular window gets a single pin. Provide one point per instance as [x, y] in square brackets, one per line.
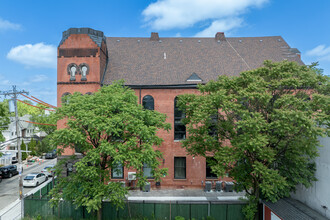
[117, 171]
[179, 130]
[209, 173]
[179, 127]
[213, 126]
[179, 168]
[147, 171]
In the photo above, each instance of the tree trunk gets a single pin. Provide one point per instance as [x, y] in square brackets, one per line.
[99, 214]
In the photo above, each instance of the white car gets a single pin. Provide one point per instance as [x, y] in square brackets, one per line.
[34, 179]
[48, 170]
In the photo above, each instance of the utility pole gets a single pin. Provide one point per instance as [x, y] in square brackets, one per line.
[14, 93]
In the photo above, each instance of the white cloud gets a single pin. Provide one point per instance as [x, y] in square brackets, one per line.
[178, 34]
[4, 81]
[170, 14]
[35, 79]
[39, 78]
[321, 52]
[34, 55]
[220, 25]
[7, 25]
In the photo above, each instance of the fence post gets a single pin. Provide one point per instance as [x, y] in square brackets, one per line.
[129, 210]
[170, 210]
[209, 208]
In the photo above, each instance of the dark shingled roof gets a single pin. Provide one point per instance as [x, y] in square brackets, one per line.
[291, 209]
[96, 36]
[171, 61]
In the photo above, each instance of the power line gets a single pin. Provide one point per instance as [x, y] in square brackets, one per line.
[35, 106]
[39, 102]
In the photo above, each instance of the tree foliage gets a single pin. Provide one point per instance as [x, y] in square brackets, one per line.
[23, 109]
[265, 126]
[32, 146]
[24, 148]
[4, 120]
[108, 127]
[44, 118]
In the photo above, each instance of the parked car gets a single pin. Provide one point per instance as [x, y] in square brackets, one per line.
[34, 179]
[50, 155]
[9, 171]
[48, 170]
[0, 176]
[14, 160]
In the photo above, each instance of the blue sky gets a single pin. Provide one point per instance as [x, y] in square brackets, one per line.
[31, 30]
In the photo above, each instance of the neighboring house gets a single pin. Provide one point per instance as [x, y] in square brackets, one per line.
[160, 69]
[289, 209]
[318, 196]
[27, 132]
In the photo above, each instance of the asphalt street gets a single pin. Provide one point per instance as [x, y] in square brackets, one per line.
[9, 186]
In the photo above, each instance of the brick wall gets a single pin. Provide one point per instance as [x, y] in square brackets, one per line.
[163, 100]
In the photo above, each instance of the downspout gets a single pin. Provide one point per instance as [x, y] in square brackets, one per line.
[105, 69]
[140, 96]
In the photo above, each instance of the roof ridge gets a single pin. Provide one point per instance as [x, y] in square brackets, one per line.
[195, 37]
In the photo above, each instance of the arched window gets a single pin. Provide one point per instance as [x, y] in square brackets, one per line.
[65, 100]
[179, 127]
[84, 70]
[72, 71]
[148, 102]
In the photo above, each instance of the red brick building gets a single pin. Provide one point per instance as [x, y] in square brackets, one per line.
[160, 69]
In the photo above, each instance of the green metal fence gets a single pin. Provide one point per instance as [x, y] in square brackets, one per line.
[35, 207]
[38, 204]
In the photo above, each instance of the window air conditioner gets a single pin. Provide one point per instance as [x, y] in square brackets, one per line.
[131, 176]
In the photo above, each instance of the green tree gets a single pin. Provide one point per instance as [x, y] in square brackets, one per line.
[46, 121]
[23, 109]
[44, 146]
[32, 146]
[262, 127]
[4, 120]
[109, 128]
[23, 148]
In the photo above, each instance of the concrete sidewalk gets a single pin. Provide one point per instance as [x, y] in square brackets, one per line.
[187, 195]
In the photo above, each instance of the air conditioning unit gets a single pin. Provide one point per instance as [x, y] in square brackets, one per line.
[208, 186]
[229, 186]
[146, 187]
[131, 176]
[218, 186]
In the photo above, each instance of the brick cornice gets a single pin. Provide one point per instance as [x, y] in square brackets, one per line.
[68, 83]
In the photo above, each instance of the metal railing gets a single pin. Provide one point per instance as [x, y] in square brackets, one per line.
[13, 211]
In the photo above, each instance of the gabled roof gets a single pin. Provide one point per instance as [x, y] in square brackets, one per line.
[194, 77]
[171, 61]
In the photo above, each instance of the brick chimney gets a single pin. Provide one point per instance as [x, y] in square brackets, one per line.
[220, 36]
[154, 36]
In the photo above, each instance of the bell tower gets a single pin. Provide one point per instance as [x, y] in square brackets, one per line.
[81, 61]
